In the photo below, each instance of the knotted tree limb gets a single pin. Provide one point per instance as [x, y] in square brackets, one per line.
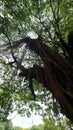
[56, 75]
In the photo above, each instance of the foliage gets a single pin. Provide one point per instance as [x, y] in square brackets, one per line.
[26, 129]
[6, 125]
[52, 124]
[1, 125]
[19, 19]
[18, 128]
[48, 124]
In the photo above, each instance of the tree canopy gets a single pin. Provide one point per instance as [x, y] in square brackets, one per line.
[51, 124]
[36, 55]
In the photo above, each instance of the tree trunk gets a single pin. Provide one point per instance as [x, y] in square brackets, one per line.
[56, 75]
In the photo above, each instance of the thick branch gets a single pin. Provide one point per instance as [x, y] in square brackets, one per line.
[56, 75]
[55, 84]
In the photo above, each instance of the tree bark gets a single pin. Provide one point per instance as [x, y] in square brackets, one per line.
[56, 75]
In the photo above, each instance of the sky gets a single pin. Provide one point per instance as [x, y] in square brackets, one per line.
[25, 122]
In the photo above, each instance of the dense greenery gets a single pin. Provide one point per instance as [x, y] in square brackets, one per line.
[43, 19]
[48, 124]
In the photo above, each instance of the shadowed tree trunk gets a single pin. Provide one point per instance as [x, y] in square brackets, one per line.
[56, 74]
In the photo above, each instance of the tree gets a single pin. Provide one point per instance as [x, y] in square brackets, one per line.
[26, 129]
[6, 125]
[18, 128]
[50, 124]
[47, 59]
[1, 125]
[39, 127]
